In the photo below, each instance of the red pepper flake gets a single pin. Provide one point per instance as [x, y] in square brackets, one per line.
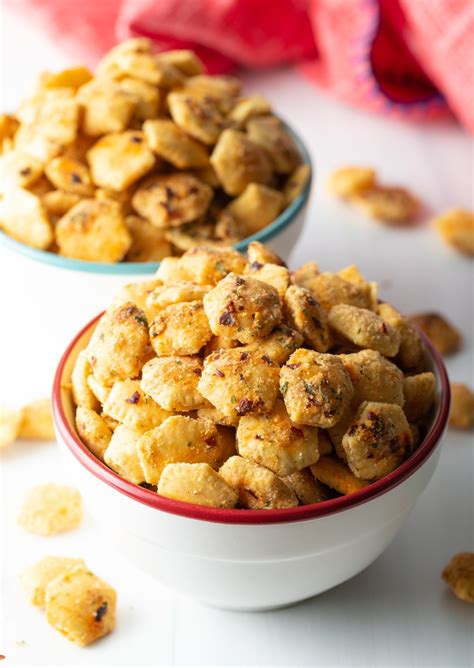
[255, 266]
[197, 372]
[239, 280]
[136, 139]
[384, 328]
[296, 431]
[101, 611]
[227, 318]
[134, 399]
[244, 356]
[210, 440]
[219, 373]
[244, 407]
[293, 366]
[75, 178]
[266, 359]
[25, 172]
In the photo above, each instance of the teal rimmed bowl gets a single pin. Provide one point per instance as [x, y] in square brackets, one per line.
[56, 303]
[282, 233]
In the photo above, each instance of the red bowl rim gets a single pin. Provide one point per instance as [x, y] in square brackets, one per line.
[238, 516]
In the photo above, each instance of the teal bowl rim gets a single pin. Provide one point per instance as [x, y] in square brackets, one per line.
[124, 268]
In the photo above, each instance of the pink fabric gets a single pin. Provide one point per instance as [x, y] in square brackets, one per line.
[412, 58]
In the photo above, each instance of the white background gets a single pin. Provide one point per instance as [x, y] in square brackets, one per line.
[397, 612]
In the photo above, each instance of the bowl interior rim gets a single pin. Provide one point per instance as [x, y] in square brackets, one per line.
[239, 516]
[124, 268]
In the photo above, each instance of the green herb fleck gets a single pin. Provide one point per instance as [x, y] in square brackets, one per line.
[233, 399]
[309, 388]
[284, 388]
[141, 319]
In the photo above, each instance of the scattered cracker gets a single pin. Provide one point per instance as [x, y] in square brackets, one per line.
[37, 421]
[51, 509]
[442, 333]
[456, 227]
[10, 421]
[462, 406]
[459, 575]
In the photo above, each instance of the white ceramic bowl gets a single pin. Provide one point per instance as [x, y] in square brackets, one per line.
[246, 559]
[63, 293]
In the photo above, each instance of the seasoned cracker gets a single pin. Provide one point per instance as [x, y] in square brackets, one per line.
[456, 227]
[171, 143]
[239, 161]
[462, 406]
[445, 337]
[365, 329]
[37, 421]
[23, 217]
[128, 403]
[207, 266]
[178, 439]
[196, 483]
[392, 205]
[346, 182]
[170, 200]
[199, 116]
[51, 509]
[306, 487]
[10, 422]
[70, 175]
[173, 382]
[256, 207]
[93, 230]
[377, 441]
[121, 454]
[411, 354]
[18, 169]
[459, 575]
[149, 243]
[274, 441]
[337, 475]
[270, 133]
[316, 388]
[80, 606]
[242, 308]
[249, 107]
[81, 390]
[239, 382]
[93, 430]
[331, 289]
[307, 316]
[120, 344]
[119, 159]
[257, 487]
[36, 578]
[180, 329]
[374, 378]
[420, 395]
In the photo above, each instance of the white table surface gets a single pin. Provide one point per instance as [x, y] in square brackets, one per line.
[397, 612]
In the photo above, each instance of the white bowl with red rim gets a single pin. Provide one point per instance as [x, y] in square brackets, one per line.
[246, 559]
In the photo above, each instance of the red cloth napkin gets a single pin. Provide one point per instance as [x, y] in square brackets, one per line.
[410, 58]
